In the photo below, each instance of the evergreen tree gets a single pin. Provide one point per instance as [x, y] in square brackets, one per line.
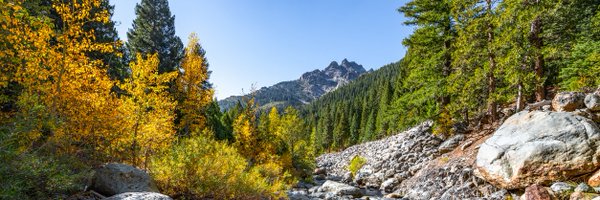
[340, 132]
[327, 131]
[430, 50]
[107, 33]
[522, 49]
[154, 32]
[215, 122]
[433, 40]
[473, 80]
[354, 129]
[574, 31]
[383, 120]
[370, 128]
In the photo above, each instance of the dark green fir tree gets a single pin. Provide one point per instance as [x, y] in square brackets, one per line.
[154, 32]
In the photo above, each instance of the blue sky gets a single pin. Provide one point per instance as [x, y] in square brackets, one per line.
[263, 42]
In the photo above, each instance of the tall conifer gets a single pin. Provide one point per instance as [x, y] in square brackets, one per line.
[154, 32]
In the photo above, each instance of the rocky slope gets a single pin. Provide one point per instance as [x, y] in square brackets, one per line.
[409, 165]
[548, 151]
[308, 87]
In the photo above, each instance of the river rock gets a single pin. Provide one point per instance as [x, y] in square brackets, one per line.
[298, 195]
[536, 192]
[539, 147]
[561, 188]
[592, 101]
[568, 101]
[451, 143]
[583, 196]
[139, 196]
[388, 185]
[582, 187]
[594, 180]
[117, 178]
[339, 189]
[319, 171]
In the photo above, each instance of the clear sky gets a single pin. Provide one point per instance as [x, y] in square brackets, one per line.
[264, 42]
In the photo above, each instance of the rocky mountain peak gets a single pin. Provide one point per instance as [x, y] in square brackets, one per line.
[333, 64]
[345, 71]
[310, 86]
[352, 66]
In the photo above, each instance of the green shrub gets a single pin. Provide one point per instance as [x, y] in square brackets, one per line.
[199, 168]
[39, 173]
[356, 163]
[37, 176]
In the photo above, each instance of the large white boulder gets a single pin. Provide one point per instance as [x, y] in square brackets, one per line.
[116, 178]
[539, 147]
[139, 196]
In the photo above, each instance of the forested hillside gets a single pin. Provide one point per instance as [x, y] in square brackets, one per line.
[357, 112]
[465, 61]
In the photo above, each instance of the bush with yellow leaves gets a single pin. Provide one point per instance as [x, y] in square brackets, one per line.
[200, 167]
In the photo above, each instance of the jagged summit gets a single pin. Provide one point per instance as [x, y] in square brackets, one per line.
[310, 86]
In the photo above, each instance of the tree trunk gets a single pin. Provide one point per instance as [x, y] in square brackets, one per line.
[491, 57]
[520, 98]
[446, 68]
[134, 143]
[537, 42]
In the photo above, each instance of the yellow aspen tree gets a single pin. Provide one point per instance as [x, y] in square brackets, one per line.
[246, 133]
[150, 110]
[52, 68]
[22, 44]
[274, 122]
[193, 94]
[79, 90]
[245, 136]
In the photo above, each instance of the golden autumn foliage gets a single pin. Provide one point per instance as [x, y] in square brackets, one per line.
[23, 44]
[65, 111]
[245, 136]
[274, 143]
[245, 132]
[149, 110]
[192, 94]
[62, 115]
[199, 168]
[77, 88]
[52, 69]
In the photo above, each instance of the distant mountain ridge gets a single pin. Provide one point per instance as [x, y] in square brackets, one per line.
[307, 88]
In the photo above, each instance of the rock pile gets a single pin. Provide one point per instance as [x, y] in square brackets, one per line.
[399, 156]
[453, 180]
[586, 105]
[398, 166]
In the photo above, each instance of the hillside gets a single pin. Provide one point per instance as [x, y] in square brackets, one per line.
[307, 88]
[357, 111]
